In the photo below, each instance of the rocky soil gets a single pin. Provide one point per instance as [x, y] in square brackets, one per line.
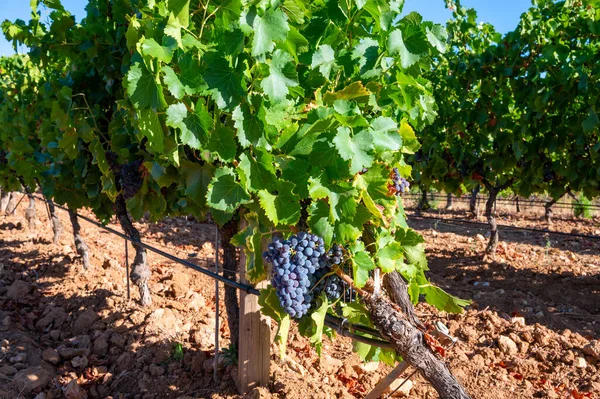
[533, 329]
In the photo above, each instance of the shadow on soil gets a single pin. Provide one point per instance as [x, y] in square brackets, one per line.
[111, 347]
[542, 239]
[564, 299]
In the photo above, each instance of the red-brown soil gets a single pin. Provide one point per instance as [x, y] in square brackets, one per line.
[532, 330]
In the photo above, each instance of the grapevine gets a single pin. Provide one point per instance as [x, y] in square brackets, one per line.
[257, 113]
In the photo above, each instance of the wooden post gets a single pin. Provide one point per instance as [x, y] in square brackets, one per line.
[386, 381]
[255, 338]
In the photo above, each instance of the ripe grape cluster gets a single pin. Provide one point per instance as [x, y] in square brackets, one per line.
[334, 287]
[295, 262]
[300, 267]
[131, 178]
[399, 184]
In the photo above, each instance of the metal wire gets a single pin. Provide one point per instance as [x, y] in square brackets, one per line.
[505, 226]
[330, 320]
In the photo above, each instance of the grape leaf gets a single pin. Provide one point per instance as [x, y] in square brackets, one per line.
[225, 83]
[222, 143]
[282, 75]
[225, 193]
[362, 264]
[270, 306]
[151, 128]
[282, 208]
[354, 148]
[143, 90]
[324, 59]
[272, 26]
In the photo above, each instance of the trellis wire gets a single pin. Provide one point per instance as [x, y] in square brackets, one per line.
[340, 325]
[531, 229]
[526, 202]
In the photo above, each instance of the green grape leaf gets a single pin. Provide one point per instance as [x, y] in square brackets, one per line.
[282, 74]
[250, 127]
[225, 192]
[181, 10]
[143, 90]
[362, 264]
[282, 208]
[324, 59]
[409, 43]
[222, 143]
[318, 317]
[385, 134]
[151, 48]
[257, 172]
[197, 178]
[272, 26]
[173, 83]
[318, 221]
[409, 138]
[270, 306]
[150, 127]
[354, 148]
[388, 256]
[437, 36]
[225, 83]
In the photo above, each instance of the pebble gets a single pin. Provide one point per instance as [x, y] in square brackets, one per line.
[580, 363]
[79, 362]
[593, 349]
[51, 356]
[507, 345]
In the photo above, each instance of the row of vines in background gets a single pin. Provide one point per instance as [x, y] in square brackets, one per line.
[518, 111]
[288, 116]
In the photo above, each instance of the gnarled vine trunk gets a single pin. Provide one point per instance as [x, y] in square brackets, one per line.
[140, 271]
[80, 245]
[11, 208]
[397, 290]
[30, 212]
[449, 201]
[409, 342]
[517, 204]
[4, 199]
[491, 218]
[56, 224]
[230, 267]
[473, 200]
[548, 211]
[423, 201]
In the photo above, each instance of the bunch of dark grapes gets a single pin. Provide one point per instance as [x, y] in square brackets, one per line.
[3, 160]
[295, 262]
[335, 256]
[334, 287]
[131, 178]
[399, 184]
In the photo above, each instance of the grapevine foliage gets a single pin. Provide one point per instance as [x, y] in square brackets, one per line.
[260, 110]
[518, 109]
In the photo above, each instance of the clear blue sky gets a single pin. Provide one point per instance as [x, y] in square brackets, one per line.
[504, 15]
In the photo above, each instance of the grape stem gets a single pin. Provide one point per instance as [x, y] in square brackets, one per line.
[348, 280]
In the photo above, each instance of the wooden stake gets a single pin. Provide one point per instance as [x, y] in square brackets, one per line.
[387, 381]
[255, 335]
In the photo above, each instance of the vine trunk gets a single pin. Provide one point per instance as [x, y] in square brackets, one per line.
[491, 218]
[409, 342]
[80, 245]
[230, 268]
[140, 272]
[57, 227]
